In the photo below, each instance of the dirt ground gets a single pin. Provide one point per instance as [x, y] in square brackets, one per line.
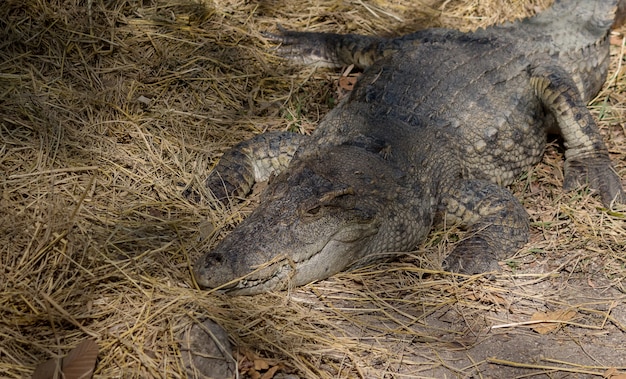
[110, 109]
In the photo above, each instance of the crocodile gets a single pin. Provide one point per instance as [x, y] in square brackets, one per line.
[438, 125]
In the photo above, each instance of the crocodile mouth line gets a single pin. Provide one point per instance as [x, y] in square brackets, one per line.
[277, 273]
[268, 275]
[278, 265]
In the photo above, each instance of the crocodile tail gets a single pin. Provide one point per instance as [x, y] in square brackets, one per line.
[576, 34]
[572, 24]
[595, 16]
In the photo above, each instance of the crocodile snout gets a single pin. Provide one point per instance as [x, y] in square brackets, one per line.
[212, 271]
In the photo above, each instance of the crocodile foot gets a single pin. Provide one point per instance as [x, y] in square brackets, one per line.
[326, 49]
[305, 47]
[597, 173]
[496, 222]
[472, 256]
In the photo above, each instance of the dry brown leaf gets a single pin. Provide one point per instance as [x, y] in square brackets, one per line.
[254, 374]
[547, 327]
[616, 39]
[612, 373]
[47, 369]
[269, 374]
[347, 82]
[79, 363]
[261, 364]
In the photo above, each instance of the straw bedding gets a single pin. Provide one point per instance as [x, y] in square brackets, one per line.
[109, 109]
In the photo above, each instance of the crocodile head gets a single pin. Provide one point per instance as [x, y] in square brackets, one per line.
[325, 214]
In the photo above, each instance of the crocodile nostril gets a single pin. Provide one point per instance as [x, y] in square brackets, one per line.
[212, 259]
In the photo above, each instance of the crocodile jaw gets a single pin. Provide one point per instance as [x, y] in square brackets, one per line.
[223, 270]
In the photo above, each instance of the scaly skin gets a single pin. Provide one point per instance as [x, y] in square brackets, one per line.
[439, 121]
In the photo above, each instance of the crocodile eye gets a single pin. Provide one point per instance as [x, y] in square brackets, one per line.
[314, 210]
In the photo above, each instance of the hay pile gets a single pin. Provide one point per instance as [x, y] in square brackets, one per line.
[109, 109]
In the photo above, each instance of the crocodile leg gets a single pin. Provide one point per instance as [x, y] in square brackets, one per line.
[586, 157]
[328, 49]
[254, 160]
[497, 225]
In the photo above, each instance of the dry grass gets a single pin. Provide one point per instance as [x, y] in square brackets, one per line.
[109, 109]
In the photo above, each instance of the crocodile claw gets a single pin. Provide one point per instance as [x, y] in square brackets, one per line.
[598, 173]
[304, 47]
